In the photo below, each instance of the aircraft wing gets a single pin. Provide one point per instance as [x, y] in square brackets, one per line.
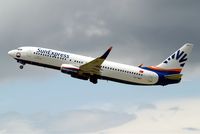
[94, 66]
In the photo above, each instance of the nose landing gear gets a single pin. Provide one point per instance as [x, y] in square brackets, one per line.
[21, 66]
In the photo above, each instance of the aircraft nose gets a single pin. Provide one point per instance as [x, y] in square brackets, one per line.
[11, 53]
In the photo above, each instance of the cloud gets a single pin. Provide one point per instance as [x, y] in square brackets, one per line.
[175, 108]
[13, 122]
[146, 106]
[175, 116]
[78, 121]
[191, 129]
[168, 117]
[88, 121]
[133, 27]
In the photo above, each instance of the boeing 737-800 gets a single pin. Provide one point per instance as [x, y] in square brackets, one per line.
[87, 68]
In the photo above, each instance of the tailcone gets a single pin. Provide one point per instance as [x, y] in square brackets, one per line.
[166, 76]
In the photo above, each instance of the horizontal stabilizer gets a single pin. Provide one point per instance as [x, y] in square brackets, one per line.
[174, 76]
[140, 65]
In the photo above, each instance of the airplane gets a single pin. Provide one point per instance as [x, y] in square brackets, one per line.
[92, 69]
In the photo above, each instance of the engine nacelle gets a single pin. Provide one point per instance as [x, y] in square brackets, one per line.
[73, 71]
[69, 69]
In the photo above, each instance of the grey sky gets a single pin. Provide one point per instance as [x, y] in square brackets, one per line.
[140, 31]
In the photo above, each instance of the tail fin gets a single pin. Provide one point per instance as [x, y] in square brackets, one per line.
[178, 59]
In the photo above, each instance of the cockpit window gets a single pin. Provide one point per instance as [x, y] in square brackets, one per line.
[19, 49]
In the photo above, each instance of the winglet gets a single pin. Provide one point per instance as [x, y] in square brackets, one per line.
[104, 56]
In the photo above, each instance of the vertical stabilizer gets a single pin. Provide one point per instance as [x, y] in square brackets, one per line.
[178, 59]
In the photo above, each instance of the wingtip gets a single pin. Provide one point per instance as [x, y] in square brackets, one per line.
[110, 48]
[104, 56]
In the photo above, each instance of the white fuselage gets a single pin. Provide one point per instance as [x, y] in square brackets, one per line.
[109, 70]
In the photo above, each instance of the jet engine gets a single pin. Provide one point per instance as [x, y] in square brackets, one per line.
[69, 69]
[73, 71]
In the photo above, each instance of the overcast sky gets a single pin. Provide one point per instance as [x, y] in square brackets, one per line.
[140, 31]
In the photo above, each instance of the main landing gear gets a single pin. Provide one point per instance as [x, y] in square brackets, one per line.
[93, 79]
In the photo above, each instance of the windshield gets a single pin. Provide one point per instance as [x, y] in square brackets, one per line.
[19, 49]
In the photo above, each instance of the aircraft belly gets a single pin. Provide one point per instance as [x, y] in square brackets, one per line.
[146, 79]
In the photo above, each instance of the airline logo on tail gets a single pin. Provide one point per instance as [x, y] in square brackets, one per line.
[180, 56]
[178, 59]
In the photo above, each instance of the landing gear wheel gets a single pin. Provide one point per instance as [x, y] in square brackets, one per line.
[93, 80]
[21, 66]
